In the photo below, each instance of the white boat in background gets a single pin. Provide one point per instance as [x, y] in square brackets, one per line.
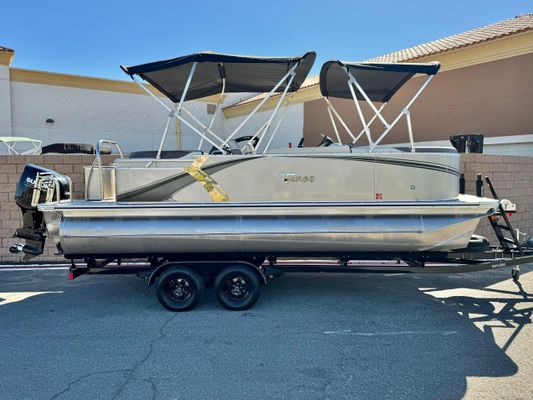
[18, 145]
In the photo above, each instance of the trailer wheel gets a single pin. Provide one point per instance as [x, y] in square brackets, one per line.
[237, 287]
[179, 288]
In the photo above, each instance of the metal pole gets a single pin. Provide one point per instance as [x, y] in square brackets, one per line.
[219, 103]
[282, 116]
[178, 109]
[361, 117]
[370, 122]
[276, 108]
[405, 110]
[186, 88]
[370, 103]
[256, 134]
[204, 127]
[334, 125]
[419, 91]
[151, 94]
[165, 131]
[410, 131]
[198, 132]
[334, 111]
[259, 105]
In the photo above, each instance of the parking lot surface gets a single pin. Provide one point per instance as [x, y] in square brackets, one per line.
[310, 336]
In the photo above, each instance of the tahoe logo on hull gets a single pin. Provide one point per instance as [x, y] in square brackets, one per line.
[289, 177]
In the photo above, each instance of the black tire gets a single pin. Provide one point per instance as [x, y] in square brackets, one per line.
[237, 287]
[179, 288]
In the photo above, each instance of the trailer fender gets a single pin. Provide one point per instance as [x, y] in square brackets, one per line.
[196, 265]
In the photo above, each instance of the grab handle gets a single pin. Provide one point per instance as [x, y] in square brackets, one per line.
[98, 162]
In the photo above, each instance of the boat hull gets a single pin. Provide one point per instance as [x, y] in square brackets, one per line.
[296, 176]
[100, 228]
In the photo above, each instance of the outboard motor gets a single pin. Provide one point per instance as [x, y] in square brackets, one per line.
[37, 185]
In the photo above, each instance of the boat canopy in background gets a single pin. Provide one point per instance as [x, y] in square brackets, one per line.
[241, 73]
[380, 81]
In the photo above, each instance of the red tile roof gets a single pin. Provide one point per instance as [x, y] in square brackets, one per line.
[6, 50]
[521, 23]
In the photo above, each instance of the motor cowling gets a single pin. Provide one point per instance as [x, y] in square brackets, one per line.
[37, 185]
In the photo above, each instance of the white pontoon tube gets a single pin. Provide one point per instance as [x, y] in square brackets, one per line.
[371, 82]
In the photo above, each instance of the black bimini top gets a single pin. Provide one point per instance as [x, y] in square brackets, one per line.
[242, 73]
[379, 80]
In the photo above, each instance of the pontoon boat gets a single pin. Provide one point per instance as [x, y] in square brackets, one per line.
[246, 201]
[254, 200]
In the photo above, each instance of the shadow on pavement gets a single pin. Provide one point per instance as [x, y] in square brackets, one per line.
[310, 336]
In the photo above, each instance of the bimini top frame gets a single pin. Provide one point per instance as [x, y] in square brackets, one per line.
[205, 74]
[371, 82]
[11, 142]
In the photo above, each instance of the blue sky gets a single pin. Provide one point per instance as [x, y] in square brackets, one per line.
[93, 37]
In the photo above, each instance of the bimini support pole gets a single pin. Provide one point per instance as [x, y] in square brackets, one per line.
[178, 109]
[405, 112]
[281, 118]
[151, 94]
[344, 125]
[410, 130]
[361, 116]
[269, 94]
[217, 108]
[274, 112]
[367, 99]
[205, 128]
[165, 131]
[174, 113]
[370, 122]
[334, 125]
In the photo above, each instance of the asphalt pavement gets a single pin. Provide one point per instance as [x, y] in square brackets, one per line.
[310, 336]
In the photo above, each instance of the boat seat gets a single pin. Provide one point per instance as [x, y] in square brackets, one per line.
[164, 154]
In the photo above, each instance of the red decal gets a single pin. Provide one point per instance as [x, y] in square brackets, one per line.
[379, 196]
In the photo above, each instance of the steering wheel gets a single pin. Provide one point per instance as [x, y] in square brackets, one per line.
[248, 148]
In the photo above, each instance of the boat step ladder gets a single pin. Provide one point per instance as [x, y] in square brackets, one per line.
[512, 243]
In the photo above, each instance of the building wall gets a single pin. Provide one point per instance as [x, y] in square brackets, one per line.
[136, 121]
[492, 98]
[512, 177]
[5, 101]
